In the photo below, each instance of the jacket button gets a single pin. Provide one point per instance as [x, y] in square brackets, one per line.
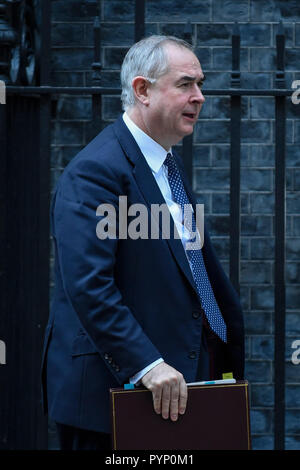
[196, 314]
[117, 368]
[192, 355]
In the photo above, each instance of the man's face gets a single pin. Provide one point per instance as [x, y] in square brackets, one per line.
[175, 99]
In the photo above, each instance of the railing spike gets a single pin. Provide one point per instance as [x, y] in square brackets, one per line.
[236, 29]
[280, 31]
[188, 30]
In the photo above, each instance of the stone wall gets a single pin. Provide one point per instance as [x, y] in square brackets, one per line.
[212, 24]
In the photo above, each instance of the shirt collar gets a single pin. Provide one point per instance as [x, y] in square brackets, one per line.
[153, 152]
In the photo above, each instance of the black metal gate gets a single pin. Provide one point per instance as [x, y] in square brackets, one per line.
[24, 209]
[24, 252]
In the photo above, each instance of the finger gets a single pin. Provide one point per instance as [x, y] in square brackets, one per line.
[174, 401]
[156, 395]
[165, 401]
[183, 395]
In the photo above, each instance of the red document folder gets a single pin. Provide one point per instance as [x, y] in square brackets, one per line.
[216, 418]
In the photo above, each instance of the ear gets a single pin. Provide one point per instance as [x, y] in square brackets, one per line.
[141, 89]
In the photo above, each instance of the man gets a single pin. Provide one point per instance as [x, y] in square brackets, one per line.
[135, 309]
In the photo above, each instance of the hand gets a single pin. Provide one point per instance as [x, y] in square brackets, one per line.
[169, 390]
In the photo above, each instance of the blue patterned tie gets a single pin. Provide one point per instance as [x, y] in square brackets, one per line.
[205, 292]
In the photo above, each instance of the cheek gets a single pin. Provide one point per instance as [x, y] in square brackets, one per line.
[179, 104]
[168, 109]
[175, 108]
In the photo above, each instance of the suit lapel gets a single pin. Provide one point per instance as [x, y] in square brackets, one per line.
[151, 192]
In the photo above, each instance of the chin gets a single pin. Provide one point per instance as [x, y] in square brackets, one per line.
[187, 130]
[183, 132]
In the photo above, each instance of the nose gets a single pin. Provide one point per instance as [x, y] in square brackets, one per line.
[197, 95]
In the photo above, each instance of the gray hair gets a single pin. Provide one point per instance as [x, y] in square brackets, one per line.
[148, 59]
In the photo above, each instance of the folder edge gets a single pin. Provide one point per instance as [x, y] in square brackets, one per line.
[116, 391]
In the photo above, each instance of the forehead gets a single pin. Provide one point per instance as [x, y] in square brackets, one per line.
[182, 60]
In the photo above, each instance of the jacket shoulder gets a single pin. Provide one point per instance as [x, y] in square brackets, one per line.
[104, 150]
[100, 165]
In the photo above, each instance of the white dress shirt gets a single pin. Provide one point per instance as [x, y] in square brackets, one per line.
[155, 156]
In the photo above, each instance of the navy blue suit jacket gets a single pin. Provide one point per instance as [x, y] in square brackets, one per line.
[119, 305]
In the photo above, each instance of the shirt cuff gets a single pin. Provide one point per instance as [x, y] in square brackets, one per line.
[138, 376]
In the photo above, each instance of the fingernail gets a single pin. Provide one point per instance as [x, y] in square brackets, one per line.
[174, 417]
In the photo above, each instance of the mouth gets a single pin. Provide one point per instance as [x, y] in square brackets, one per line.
[192, 117]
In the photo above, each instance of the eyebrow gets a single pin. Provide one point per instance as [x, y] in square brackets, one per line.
[189, 78]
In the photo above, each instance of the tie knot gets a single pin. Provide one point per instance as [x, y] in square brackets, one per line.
[170, 162]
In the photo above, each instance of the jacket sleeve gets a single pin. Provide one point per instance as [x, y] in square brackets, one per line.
[87, 266]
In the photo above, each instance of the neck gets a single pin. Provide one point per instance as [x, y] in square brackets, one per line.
[139, 120]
